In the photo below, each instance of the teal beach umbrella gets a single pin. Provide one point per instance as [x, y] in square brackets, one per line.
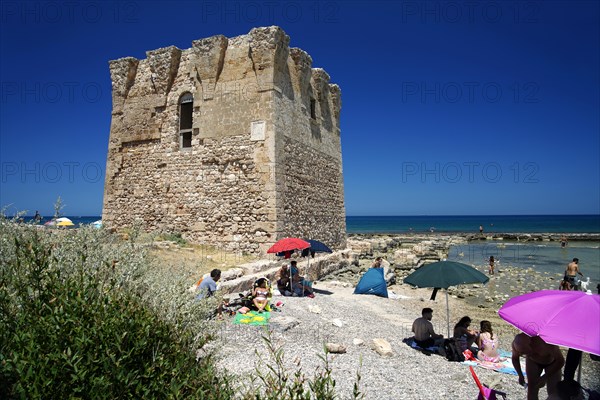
[443, 274]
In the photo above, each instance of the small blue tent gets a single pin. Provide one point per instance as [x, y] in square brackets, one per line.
[372, 282]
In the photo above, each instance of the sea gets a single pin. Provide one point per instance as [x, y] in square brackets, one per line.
[541, 256]
[471, 223]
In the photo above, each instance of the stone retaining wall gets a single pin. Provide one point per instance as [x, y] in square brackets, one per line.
[320, 266]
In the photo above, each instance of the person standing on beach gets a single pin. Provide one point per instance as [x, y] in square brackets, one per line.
[422, 327]
[37, 217]
[570, 278]
[571, 363]
[492, 261]
[539, 357]
[563, 241]
[481, 229]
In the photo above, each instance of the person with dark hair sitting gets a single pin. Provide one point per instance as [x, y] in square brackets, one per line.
[488, 343]
[261, 293]
[466, 337]
[208, 286]
[378, 263]
[423, 329]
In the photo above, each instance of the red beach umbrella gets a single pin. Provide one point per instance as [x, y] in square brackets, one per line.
[288, 244]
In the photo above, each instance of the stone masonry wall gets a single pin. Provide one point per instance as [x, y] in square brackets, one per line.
[251, 100]
[313, 195]
[308, 146]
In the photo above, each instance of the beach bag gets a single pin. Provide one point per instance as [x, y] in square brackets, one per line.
[452, 350]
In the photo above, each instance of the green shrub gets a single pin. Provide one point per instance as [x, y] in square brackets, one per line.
[86, 315]
[73, 323]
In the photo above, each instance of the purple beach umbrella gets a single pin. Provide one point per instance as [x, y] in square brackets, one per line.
[561, 317]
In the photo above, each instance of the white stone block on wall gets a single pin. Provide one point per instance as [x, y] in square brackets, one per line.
[257, 130]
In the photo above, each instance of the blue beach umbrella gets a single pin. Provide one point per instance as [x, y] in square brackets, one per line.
[319, 247]
[315, 247]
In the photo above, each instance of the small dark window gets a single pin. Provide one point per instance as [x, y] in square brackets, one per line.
[186, 139]
[313, 109]
[185, 121]
[186, 108]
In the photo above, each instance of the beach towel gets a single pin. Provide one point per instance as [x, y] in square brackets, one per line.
[504, 365]
[252, 318]
[411, 342]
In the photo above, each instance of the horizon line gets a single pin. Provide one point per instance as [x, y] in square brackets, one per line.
[481, 215]
[419, 215]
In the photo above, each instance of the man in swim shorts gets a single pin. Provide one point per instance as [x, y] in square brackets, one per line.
[539, 357]
[571, 275]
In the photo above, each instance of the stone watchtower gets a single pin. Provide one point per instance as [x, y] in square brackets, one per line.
[234, 143]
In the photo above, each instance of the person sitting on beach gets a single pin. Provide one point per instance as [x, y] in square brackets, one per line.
[422, 327]
[300, 286]
[570, 281]
[283, 283]
[539, 357]
[261, 294]
[208, 286]
[466, 337]
[488, 343]
[378, 263]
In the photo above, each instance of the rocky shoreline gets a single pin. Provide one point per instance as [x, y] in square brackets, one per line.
[405, 253]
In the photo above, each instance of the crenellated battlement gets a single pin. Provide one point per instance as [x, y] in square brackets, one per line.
[266, 50]
[176, 113]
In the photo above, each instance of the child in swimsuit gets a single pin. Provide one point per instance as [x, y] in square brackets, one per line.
[488, 343]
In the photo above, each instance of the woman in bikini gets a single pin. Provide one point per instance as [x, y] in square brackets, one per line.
[261, 296]
[488, 343]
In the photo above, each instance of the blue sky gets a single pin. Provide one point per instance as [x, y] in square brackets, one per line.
[448, 108]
